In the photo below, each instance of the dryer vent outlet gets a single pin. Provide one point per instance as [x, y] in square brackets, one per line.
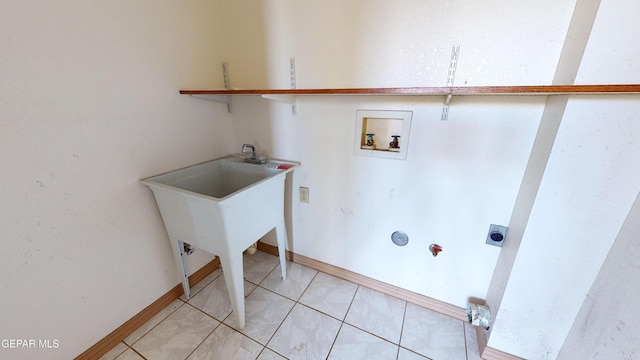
[496, 235]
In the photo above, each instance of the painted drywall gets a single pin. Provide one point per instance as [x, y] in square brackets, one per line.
[608, 323]
[243, 37]
[408, 43]
[356, 202]
[460, 175]
[574, 46]
[89, 104]
[586, 192]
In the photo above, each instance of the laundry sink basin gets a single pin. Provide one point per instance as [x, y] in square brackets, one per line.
[223, 206]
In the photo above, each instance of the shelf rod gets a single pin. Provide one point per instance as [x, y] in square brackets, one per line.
[616, 89]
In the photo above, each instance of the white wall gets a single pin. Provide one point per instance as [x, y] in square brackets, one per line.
[407, 43]
[460, 176]
[445, 192]
[608, 323]
[587, 190]
[89, 104]
[588, 187]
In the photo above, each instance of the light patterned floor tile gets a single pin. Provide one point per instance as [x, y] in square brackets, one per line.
[298, 278]
[377, 313]
[296, 330]
[269, 354]
[353, 343]
[305, 334]
[433, 335]
[177, 335]
[155, 320]
[115, 351]
[405, 354]
[195, 289]
[471, 339]
[228, 344]
[214, 299]
[258, 266]
[264, 312]
[129, 355]
[330, 295]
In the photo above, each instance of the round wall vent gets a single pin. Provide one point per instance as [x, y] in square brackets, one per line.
[399, 238]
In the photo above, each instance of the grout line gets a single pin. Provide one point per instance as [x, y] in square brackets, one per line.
[351, 303]
[282, 322]
[135, 351]
[202, 311]
[203, 340]
[464, 336]
[308, 285]
[261, 351]
[204, 285]
[156, 325]
[335, 339]
[414, 352]
[119, 354]
[404, 317]
[370, 333]
[220, 323]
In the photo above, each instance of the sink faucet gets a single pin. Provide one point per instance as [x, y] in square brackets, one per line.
[253, 159]
[253, 150]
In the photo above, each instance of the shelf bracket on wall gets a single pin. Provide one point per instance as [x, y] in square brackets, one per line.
[292, 77]
[227, 84]
[220, 98]
[455, 51]
[289, 99]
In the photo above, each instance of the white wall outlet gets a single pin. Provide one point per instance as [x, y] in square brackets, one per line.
[304, 194]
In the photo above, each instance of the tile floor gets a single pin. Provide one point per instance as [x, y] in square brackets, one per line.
[311, 315]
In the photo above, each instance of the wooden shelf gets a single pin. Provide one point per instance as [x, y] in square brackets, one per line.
[617, 89]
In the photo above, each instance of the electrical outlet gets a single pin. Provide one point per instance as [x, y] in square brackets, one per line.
[496, 235]
[304, 194]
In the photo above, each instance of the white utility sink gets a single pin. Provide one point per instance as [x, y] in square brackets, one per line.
[223, 206]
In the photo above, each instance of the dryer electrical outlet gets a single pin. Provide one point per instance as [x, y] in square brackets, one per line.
[496, 235]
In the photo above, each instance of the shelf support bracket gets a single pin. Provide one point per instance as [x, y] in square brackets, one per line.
[453, 64]
[289, 99]
[227, 84]
[219, 98]
[292, 77]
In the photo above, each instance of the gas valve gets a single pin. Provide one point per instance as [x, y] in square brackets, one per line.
[435, 249]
